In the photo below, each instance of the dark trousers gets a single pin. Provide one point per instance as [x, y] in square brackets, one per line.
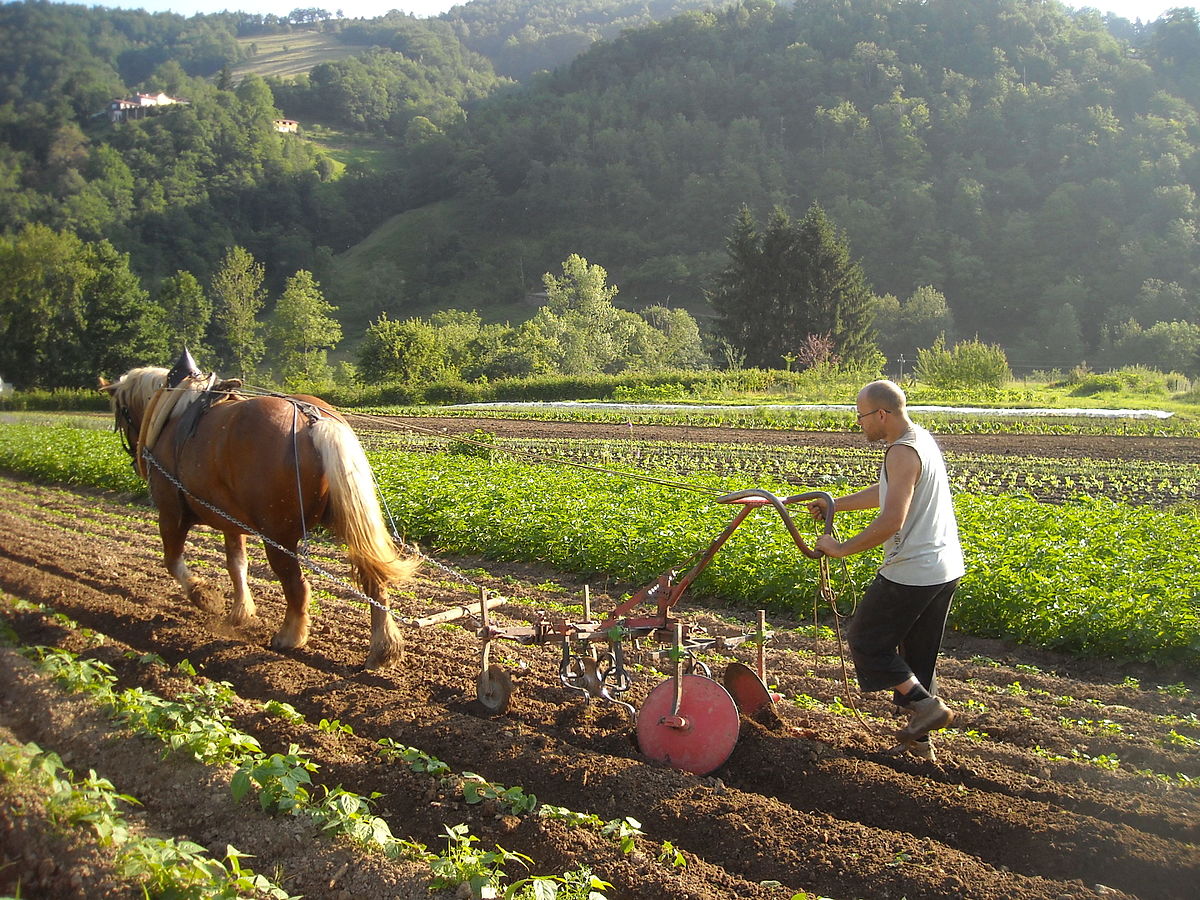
[897, 632]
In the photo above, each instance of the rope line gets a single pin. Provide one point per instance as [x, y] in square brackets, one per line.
[826, 592]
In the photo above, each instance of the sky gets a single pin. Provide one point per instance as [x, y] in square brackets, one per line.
[1146, 10]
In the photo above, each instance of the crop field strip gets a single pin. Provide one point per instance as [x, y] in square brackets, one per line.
[397, 785]
[808, 799]
[1046, 480]
[1063, 761]
[1096, 576]
[796, 419]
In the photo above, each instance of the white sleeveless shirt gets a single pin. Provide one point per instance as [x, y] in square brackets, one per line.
[925, 551]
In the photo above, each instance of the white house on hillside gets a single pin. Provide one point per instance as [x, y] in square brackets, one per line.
[139, 105]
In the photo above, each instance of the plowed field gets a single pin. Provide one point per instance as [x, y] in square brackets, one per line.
[1024, 800]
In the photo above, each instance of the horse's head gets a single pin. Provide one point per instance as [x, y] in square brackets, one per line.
[129, 396]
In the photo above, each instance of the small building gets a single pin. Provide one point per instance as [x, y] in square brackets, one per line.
[139, 105]
[287, 126]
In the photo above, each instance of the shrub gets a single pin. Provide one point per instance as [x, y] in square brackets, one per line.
[1131, 379]
[969, 365]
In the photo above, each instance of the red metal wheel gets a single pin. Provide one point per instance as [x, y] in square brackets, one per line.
[701, 737]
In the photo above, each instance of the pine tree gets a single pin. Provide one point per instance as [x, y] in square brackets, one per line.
[789, 281]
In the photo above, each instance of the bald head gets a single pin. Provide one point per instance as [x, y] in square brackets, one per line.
[884, 395]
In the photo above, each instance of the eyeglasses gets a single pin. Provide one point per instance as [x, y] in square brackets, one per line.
[872, 412]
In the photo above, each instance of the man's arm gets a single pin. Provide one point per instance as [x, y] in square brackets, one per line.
[867, 498]
[903, 467]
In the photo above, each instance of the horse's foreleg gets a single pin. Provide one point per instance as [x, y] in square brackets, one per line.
[294, 630]
[387, 642]
[174, 538]
[243, 609]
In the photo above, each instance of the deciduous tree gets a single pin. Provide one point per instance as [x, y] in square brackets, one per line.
[238, 296]
[302, 332]
[188, 315]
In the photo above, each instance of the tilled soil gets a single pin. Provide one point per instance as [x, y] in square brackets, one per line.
[1023, 801]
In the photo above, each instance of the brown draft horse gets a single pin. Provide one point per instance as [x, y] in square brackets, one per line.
[268, 465]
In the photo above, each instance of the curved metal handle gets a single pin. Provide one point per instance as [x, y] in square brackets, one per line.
[781, 508]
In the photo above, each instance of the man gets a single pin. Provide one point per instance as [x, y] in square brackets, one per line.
[896, 633]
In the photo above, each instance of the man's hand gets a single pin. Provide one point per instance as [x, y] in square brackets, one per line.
[830, 546]
[816, 509]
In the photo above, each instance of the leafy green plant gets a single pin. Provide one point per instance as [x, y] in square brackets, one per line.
[283, 710]
[334, 727]
[463, 863]
[1179, 689]
[170, 868]
[1175, 739]
[418, 760]
[477, 444]
[570, 816]
[75, 673]
[672, 856]
[161, 867]
[346, 813]
[476, 789]
[281, 780]
[1107, 761]
[623, 831]
[578, 884]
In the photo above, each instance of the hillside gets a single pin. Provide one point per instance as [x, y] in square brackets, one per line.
[286, 55]
[1020, 158]
[1035, 166]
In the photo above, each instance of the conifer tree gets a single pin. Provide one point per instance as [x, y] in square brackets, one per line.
[790, 280]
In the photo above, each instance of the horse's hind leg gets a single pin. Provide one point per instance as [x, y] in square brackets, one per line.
[294, 630]
[243, 609]
[174, 539]
[387, 642]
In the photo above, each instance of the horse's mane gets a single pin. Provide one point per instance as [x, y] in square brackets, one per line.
[137, 387]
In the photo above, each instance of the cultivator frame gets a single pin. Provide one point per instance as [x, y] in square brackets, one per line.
[690, 721]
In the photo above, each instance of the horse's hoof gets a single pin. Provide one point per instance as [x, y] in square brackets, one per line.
[241, 621]
[203, 598]
[382, 659]
[279, 644]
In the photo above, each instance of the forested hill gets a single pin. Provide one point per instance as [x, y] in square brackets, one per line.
[521, 37]
[1036, 165]
[1038, 170]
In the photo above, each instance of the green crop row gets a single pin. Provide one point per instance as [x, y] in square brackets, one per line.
[805, 418]
[1095, 577]
[1130, 481]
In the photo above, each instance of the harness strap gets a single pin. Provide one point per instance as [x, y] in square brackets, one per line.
[296, 408]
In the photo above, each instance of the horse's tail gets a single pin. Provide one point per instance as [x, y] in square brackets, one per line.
[354, 511]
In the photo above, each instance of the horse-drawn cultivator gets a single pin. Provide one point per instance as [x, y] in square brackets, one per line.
[190, 437]
[690, 721]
